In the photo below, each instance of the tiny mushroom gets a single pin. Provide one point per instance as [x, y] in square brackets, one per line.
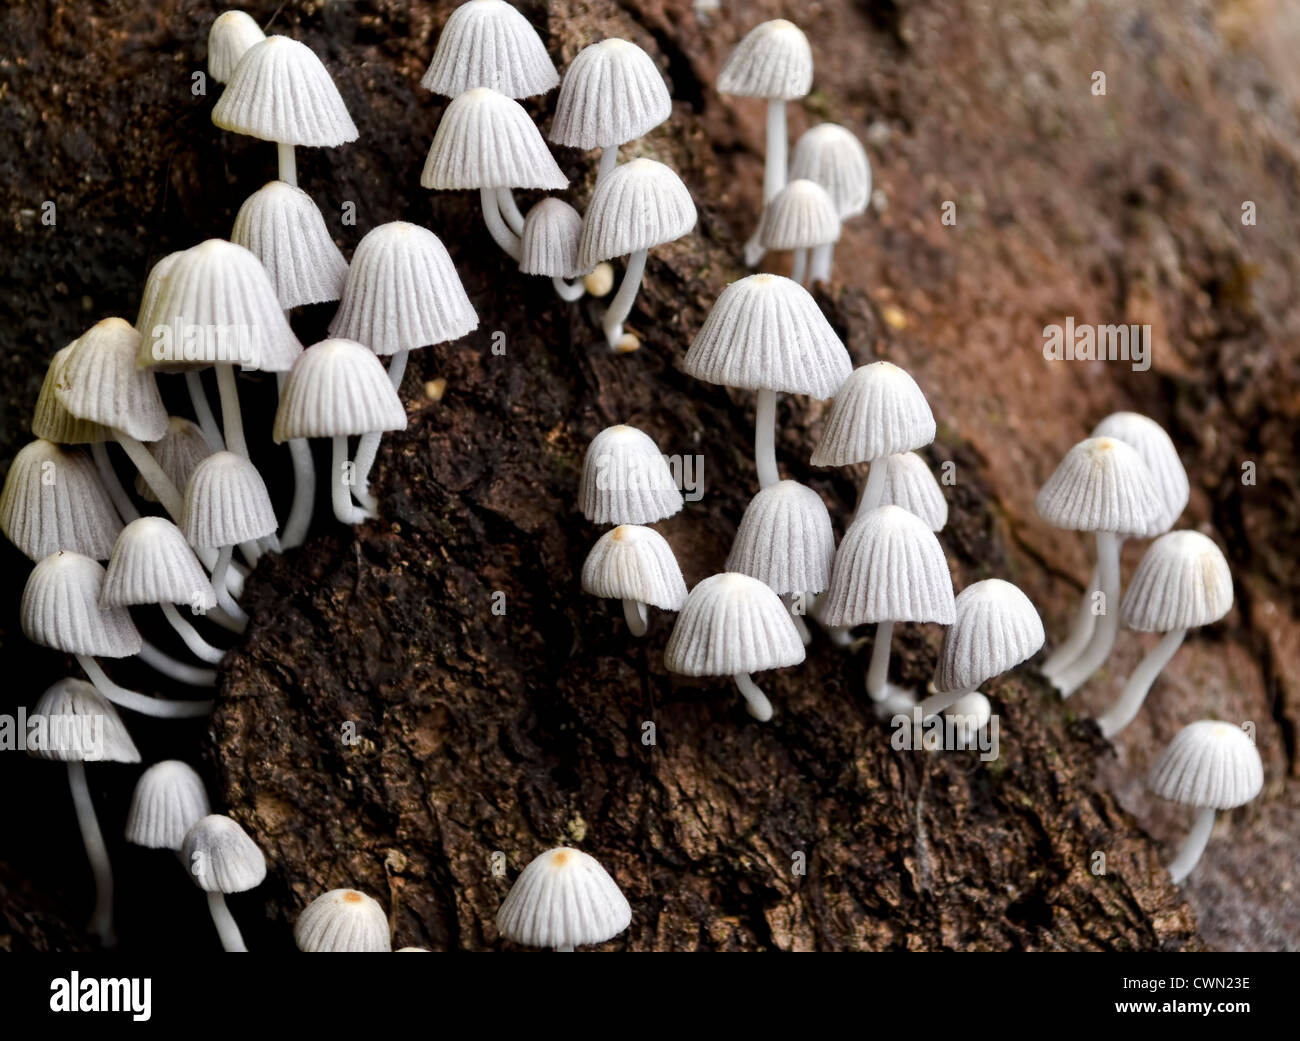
[626, 480]
[635, 564]
[487, 43]
[563, 899]
[281, 226]
[549, 246]
[835, 159]
[178, 452]
[232, 33]
[343, 921]
[222, 859]
[800, 217]
[910, 484]
[53, 500]
[168, 800]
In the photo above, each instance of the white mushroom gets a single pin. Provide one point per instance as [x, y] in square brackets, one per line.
[830, 155]
[53, 500]
[635, 564]
[343, 921]
[800, 217]
[169, 798]
[563, 899]
[231, 35]
[487, 43]
[626, 480]
[549, 246]
[222, 859]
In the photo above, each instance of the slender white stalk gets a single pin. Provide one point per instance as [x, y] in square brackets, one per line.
[621, 306]
[1080, 632]
[937, 703]
[397, 368]
[232, 940]
[765, 439]
[252, 551]
[109, 479]
[181, 672]
[288, 163]
[873, 489]
[231, 419]
[1193, 846]
[198, 646]
[224, 599]
[1126, 706]
[774, 163]
[799, 270]
[137, 702]
[569, 291]
[510, 212]
[608, 160]
[341, 485]
[1094, 656]
[755, 700]
[368, 445]
[101, 919]
[878, 668]
[823, 259]
[203, 414]
[496, 225]
[153, 474]
[638, 620]
[304, 486]
[797, 617]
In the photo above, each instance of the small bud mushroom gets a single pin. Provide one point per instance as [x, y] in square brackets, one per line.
[549, 246]
[343, 921]
[835, 159]
[635, 564]
[168, 800]
[487, 43]
[910, 484]
[601, 280]
[800, 217]
[626, 480]
[563, 899]
[178, 452]
[53, 500]
[222, 859]
[968, 715]
[733, 625]
[231, 35]
[1182, 582]
[1211, 766]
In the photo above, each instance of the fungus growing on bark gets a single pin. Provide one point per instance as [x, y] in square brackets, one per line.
[563, 899]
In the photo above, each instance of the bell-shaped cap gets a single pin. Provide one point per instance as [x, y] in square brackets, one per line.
[626, 480]
[220, 856]
[889, 568]
[835, 159]
[730, 624]
[800, 216]
[878, 411]
[226, 503]
[1182, 582]
[343, 921]
[153, 564]
[169, 799]
[638, 205]
[774, 61]
[402, 292]
[51, 420]
[549, 244]
[612, 93]
[486, 140]
[1209, 765]
[281, 92]
[1157, 450]
[100, 382]
[337, 388]
[766, 332]
[80, 725]
[146, 317]
[181, 448]
[487, 43]
[60, 609]
[281, 226]
[785, 539]
[995, 629]
[910, 484]
[52, 500]
[1102, 484]
[563, 898]
[231, 35]
[633, 562]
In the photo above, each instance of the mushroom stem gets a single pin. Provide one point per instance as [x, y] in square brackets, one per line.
[101, 919]
[799, 270]
[181, 672]
[342, 475]
[109, 479]
[1080, 632]
[510, 210]
[1193, 846]
[568, 291]
[154, 475]
[198, 646]
[1094, 656]
[368, 445]
[937, 703]
[777, 150]
[304, 486]
[137, 702]
[878, 668]
[873, 489]
[608, 160]
[1126, 706]
[496, 225]
[232, 940]
[823, 258]
[224, 600]
[755, 700]
[203, 411]
[797, 617]
[638, 620]
[765, 439]
[621, 306]
[287, 162]
[231, 419]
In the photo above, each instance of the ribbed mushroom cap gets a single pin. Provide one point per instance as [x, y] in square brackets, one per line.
[835, 159]
[766, 332]
[785, 539]
[224, 290]
[226, 503]
[1182, 582]
[632, 562]
[563, 898]
[181, 448]
[60, 609]
[612, 93]
[51, 420]
[146, 319]
[638, 205]
[486, 140]
[878, 411]
[1160, 455]
[153, 564]
[801, 215]
[910, 484]
[337, 388]
[53, 500]
[1102, 484]
[81, 726]
[549, 244]
[995, 629]
[1209, 765]
[732, 623]
[402, 292]
[281, 92]
[343, 921]
[169, 799]
[889, 568]
[220, 856]
[774, 61]
[99, 381]
[281, 226]
[232, 33]
[487, 43]
[626, 480]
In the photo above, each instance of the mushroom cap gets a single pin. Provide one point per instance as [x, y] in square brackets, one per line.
[53, 499]
[100, 382]
[402, 292]
[220, 856]
[147, 318]
[280, 91]
[1209, 765]
[835, 159]
[343, 921]
[766, 332]
[281, 226]
[60, 609]
[169, 798]
[633, 562]
[153, 564]
[878, 411]
[223, 290]
[1102, 484]
[626, 480]
[563, 898]
[549, 244]
[612, 93]
[337, 388]
[1182, 582]
[1160, 455]
[732, 623]
[995, 628]
[51, 420]
[232, 33]
[785, 539]
[889, 568]
[487, 140]
[801, 215]
[487, 43]
[226, 503]
[773, 61]
[910, 484]
[638, 205]
[181, 448]
[67, 740]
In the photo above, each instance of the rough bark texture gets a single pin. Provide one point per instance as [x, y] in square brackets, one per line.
[482, 732]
